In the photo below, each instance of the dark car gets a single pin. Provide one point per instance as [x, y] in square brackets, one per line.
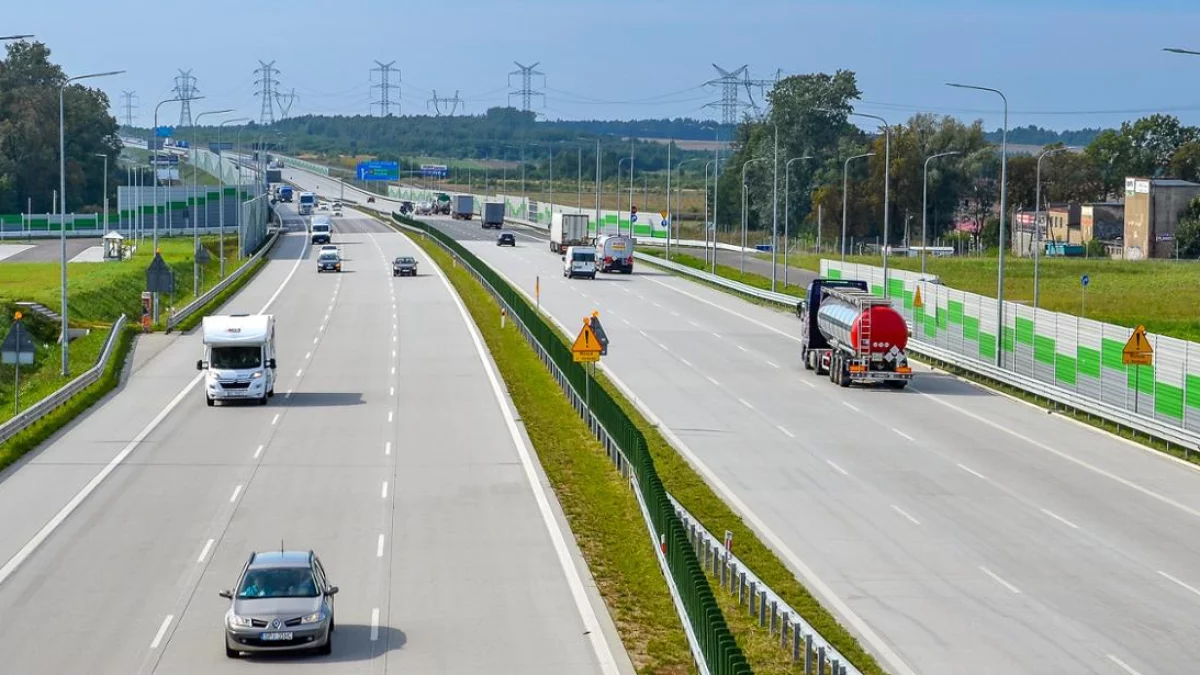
[329, 261]
[282, 602]
[506, 239]
[404, 266]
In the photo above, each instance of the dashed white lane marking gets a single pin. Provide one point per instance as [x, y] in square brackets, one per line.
[904, 513]
[387, 448]
[662, 346]
[745, 403]
[307, 355]
[710, 379]
[288, 393]
[972, 471]
[1179, 583]
[998, 580]
[392, 391]
[685, 362]
[393, 370]
[379, 547]
[626, 321]
[837, 468]
[772, 364]
[390, 415]
[1124, 666]
[236, 491]
[810, 384]
[393, 353]
[258, 451]
[162, 630]
[316, 339]
[374, 624]
[642, 332]
[275, 420]
[785, 431]
[901, 434]
[1060, 519]
[299, 372]
[718, 336]
[742, 348]
[694, 324]
[850, 406]
[204, 551]
[383, 495]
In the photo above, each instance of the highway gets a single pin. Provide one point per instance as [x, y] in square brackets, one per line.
[953, 529]
[390, 449]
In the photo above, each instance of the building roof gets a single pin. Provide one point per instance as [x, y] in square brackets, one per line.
[1173, 182]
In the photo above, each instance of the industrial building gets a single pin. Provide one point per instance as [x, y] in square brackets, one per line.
[1152, 210]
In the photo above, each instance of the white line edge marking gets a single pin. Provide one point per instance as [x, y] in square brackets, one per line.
[904, 513]
[901, 434]
[998, 580]
[586, 611]
[236, 491]
[1193, 589]
[387, 448]
[1060, 519]
[379, 547]
[1124, 666]
[745, 403]
[162, 630]
[258, 451]
[374, 624]
[971, 471]
[383, 494]
[785, 431]
[32, 545]
[204, 551]
[839, 469]
[850, 406]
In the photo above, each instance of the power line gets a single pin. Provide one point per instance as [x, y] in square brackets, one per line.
[129, 105]
[385, 86]
[185, 89]
[266, 72]
[527, 92]
[436, 102]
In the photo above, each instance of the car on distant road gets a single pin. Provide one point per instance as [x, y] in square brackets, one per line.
[404, 265]
[329, 261]
[282, 601]
[506, 239]
[330, 247]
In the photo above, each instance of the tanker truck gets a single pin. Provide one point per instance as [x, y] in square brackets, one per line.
[853, 336]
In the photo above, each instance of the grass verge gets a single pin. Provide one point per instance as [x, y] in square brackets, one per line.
[222, 297]
[15, 447]
[602, 511]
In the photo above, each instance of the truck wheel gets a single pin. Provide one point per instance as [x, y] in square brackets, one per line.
[806, 356]
[844, 375]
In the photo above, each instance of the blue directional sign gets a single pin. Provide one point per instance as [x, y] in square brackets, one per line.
[164, 132]
[1085, 280]
[435, 170]
[633, 218]
[377, 170]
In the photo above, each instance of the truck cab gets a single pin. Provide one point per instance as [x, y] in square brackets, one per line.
[308, 203]
[238, 358]
[579, 261]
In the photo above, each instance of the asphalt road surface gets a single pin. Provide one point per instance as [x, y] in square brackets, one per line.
[389, 449]
[47, 250]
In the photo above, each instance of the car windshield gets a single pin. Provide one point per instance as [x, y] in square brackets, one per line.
[405, 261]
[279, 582]
[583, 256]
[328, 257]
[235, 358]
[319, 227]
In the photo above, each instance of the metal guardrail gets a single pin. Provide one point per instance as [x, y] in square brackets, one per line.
[190, 308]
[26, 418]
[1149, 426]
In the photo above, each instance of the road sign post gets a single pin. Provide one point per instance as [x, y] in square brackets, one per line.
[589, 346]
[16, 349]
[1083, 282]
[159, 279]
[1137, 353]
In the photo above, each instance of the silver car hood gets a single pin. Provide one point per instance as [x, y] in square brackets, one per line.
[272, 607]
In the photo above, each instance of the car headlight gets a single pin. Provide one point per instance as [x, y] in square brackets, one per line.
[257, 374]
[238, 621]
[312, 618]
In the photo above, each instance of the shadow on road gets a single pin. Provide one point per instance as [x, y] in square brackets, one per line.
[351, 642]
[318, 399]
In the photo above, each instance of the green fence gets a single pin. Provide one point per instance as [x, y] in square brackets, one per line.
[628, 449]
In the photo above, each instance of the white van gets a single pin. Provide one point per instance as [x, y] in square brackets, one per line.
[322, 231]
[239, 355]
[579, 261]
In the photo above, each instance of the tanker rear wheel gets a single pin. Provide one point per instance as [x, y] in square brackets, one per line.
[807, 356]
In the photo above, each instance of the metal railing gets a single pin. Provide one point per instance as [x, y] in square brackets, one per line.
[1070, 400]
[28, 417]
[190, 308]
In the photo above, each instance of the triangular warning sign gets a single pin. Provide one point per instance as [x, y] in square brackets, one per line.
[587, 342]
[1138, 342]
[917, 301]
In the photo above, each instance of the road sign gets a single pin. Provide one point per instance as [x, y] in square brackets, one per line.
[379, 170]
[598, 330]
[918, 303]
[1137, 351]
[159, 278]
[164, 132]
[1085, 280]
[435, 170]
[633, 217]
[663, 214]
[587, 347]
[202, 255]
[17, 348]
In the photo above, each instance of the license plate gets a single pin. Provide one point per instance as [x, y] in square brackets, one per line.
[269, 637]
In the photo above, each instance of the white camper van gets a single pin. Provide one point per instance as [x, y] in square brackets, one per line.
[239, 355]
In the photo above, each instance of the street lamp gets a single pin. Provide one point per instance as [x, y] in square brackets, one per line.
[62, 211]
[195, 206]
[152, 147]
[925, 204]
[887, 161]
[1003, 215]
[671, 214]
[618, 191]
[14, 37]
[845, 193]
[745, 225]
[105, 192]
[786, 204]
[1037, 220]
[221, 176]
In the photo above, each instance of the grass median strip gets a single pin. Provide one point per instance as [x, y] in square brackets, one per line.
[602, 510]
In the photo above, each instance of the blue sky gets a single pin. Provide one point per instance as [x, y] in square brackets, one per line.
[1062, 63]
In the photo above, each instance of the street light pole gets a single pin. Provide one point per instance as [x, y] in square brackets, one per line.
[786, 208]
[1037, 221]
[745, 225]
[775, 209]
[1003, 212]
[670, 214]
[887, 161]
[62, 211]
[618, 193]
[195, 206]
[98, 154]
[151, 146]
[221, 176]
[925, 204]
[845, 193]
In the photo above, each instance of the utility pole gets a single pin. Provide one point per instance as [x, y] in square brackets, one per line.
[266, 73]
[527, 92]
[385, 88]
[729, 103]
[185, 90]
[129, 105]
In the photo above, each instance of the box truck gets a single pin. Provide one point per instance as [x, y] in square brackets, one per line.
[568, 229]
[493, 215]
[463, 207]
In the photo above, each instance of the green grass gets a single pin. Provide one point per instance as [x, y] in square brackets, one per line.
[1163, 295]
[44, 376]
[602, 511]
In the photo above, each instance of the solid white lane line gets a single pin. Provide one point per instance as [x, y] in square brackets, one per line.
[998, 580]
[685, 362]
[374, 624]
[972, 471]
[1124, 666]
[379, 547]
[387, 448]
[258, 451]
[901, 434]
[745, 403]
[1180, 583]
[785, 431]
[1060, 519]
[162, 630]
[383, 495]
[389, 415]
[236, 491]
[772, 364]
[275, 420]
[710, 379]
[850, 406]
[904, 513]
[837, 468]
[204, 551]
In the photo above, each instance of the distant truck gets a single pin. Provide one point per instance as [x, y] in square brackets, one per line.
[441, 204]
[239, 357]
[614, 253]
[308, 202]
[463, 208]
[493, 215]
[568, 229]
[853, 336]
[285, 193]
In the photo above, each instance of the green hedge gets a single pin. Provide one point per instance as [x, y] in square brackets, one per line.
[721, 651]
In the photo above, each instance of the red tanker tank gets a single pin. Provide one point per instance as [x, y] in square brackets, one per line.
[842, 323]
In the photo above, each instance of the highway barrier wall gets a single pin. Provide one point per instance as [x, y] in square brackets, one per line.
[628, 449]
[1074, 354]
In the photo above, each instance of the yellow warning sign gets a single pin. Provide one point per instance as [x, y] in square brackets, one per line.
[1137, 351]
[917, 301]
[587, 346]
